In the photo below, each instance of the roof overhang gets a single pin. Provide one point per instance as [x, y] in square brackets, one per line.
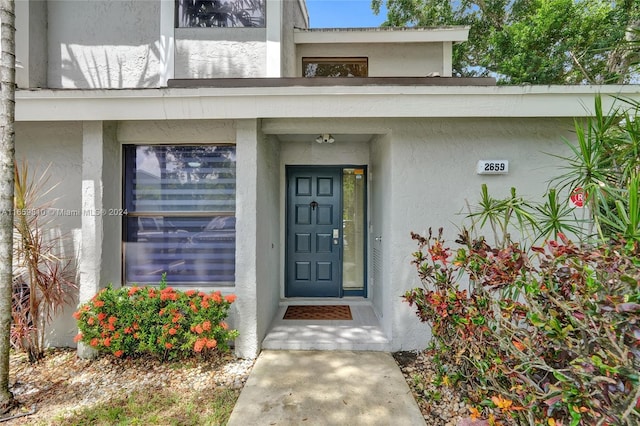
[389, 101]
[331, 82]
[381, 35]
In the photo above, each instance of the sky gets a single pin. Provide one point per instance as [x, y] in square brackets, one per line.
[343, 13]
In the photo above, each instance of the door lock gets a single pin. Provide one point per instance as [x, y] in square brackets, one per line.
[336, 236]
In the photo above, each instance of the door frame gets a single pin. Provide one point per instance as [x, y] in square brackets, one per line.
[342, 292]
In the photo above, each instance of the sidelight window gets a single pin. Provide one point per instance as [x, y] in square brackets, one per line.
[353, 230]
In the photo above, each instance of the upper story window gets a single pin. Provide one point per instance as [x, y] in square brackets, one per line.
[220, 13]
[335, 67]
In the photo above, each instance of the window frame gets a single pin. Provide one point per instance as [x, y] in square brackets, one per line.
[178, 6]
[127, 201]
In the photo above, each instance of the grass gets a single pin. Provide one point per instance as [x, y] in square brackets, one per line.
[158, 407]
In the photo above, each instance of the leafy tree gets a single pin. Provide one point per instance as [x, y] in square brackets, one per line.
[534, 41]
[7, 135]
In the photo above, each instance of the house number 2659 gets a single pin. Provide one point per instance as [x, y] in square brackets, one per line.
[492, 167]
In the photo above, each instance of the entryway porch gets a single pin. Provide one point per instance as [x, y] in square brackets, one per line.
[362, 333]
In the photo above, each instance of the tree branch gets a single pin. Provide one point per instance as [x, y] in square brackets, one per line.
[581, 68]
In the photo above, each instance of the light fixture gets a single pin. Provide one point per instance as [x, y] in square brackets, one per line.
[325, 138]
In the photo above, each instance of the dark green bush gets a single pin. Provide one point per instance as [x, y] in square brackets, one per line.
[160, 321]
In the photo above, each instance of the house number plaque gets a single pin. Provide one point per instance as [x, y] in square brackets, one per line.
[493, 167]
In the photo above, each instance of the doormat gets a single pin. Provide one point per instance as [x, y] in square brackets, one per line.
[318, 312]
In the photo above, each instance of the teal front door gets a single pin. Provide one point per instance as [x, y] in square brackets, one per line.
[314, 232]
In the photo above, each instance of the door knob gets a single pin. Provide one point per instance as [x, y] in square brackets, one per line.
[313, 205]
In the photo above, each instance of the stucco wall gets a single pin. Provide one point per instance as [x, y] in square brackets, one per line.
[97, 136]
[112, 202]
[268, 232]
[31, 43]
[439, 159]
[303, 150]
[380, 193]
[438, 174]
[103, 43]
[293, 17]
[57, 146]
[417, 59]
[220, 52]
[247, 133]
[175, 131]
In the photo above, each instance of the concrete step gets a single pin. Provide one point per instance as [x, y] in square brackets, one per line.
[362, 333]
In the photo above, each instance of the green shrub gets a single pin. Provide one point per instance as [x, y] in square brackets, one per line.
[163, 322]
[552, 338]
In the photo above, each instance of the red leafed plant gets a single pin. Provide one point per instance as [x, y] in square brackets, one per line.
[551, 338]
[42, 274]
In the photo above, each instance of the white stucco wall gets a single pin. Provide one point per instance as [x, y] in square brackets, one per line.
[57, 146]
[434, 172]
[176, 131]
[31, 43]
[97, 138]
[380, 272]
[303, 150]
[439, 159]
[267, 216]
[416, 59]
[112, 203]
[293, 16]
[246, 306]
[220, 52]
[132, 43]
[103, 43]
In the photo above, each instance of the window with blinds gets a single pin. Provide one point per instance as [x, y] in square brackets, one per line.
[181, 214]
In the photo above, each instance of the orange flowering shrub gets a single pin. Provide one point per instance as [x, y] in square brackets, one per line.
[160, 321]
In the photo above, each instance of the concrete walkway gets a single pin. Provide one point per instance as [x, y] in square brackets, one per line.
[325, 388]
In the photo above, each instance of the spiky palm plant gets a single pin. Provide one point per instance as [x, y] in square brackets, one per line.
[605, 163]
[42, 275]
